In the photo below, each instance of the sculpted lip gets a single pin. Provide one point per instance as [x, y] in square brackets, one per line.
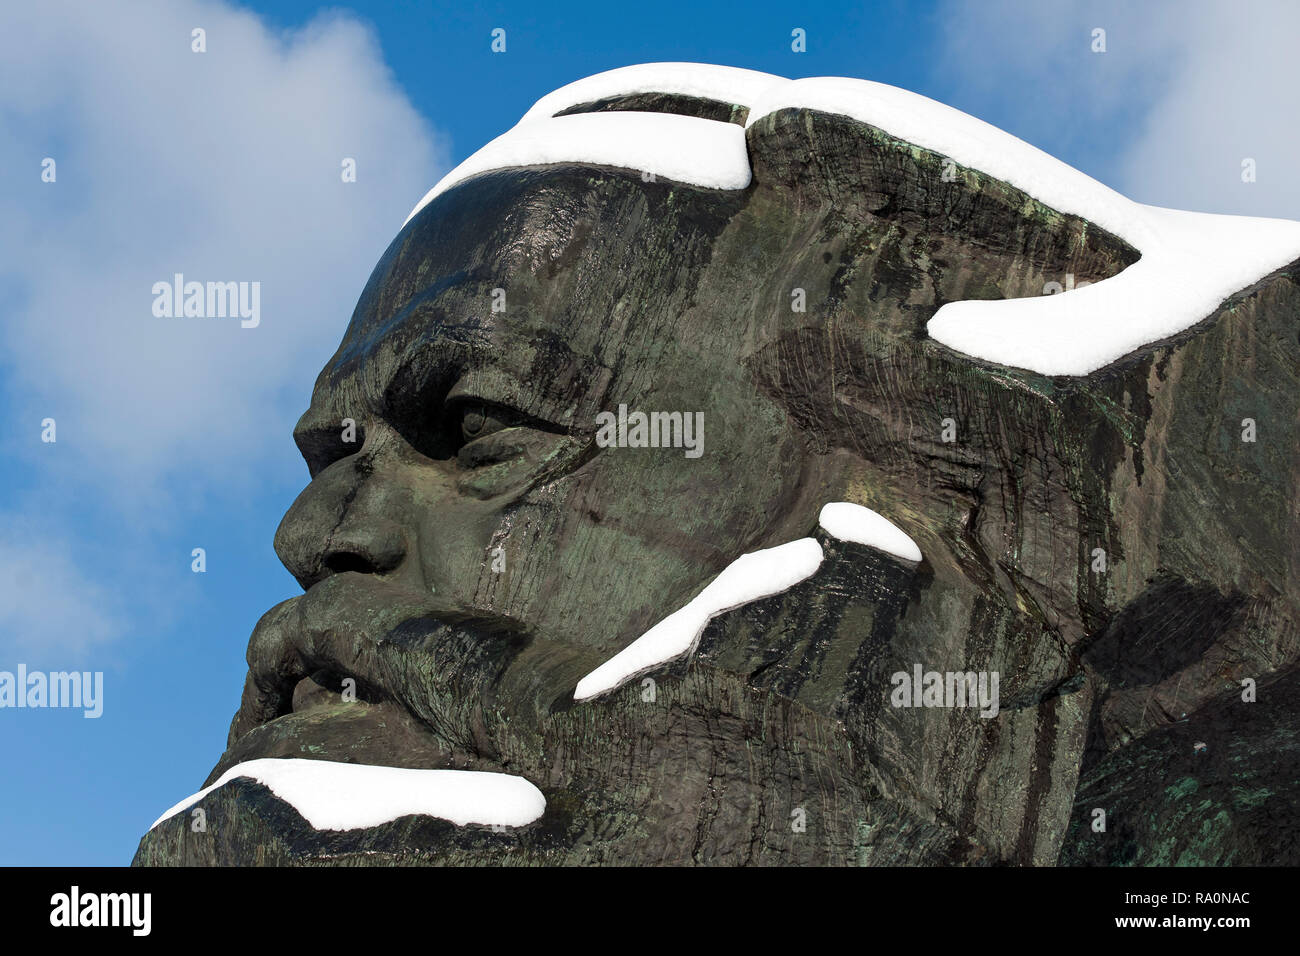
[400, 646]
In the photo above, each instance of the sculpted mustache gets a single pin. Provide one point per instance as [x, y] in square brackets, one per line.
[439, 662]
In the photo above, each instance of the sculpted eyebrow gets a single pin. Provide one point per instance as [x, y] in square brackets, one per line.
[323, 441]
[517, 394]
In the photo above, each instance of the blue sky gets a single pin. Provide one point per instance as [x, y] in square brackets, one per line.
[225, 166]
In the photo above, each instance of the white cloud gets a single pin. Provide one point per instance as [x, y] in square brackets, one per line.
[1184, 92]
[222, 165]
[1234, 96]
[51, 612]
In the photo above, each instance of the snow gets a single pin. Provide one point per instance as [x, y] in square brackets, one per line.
[726, 84]
[1190, 262]
[850, 522]
[750, 577]
[959, 136]
[346, 796]
[687, 149]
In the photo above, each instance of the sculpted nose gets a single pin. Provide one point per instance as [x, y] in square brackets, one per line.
[339, 523]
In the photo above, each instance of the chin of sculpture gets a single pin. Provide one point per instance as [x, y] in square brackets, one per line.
[1052, 617]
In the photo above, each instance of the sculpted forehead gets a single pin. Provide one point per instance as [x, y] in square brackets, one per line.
[503, 289]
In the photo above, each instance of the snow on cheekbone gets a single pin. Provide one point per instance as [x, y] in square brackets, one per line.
[700, 152]
[345, 796]
[850, 522]
[750, 577]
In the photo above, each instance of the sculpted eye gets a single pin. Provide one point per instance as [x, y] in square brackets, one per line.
[472, 422]
[478, 420]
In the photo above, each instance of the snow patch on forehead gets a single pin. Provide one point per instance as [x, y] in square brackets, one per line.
[750, 577]
[1190, 262]
[725, 84]
[687, 149]
[342, 796]
[958, 136]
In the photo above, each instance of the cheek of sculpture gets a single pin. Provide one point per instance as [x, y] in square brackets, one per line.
[595, 554]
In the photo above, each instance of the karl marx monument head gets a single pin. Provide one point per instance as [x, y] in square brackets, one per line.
[567, 521]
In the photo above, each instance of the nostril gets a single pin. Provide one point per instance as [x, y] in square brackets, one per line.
[342, 561]
[376, 547]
